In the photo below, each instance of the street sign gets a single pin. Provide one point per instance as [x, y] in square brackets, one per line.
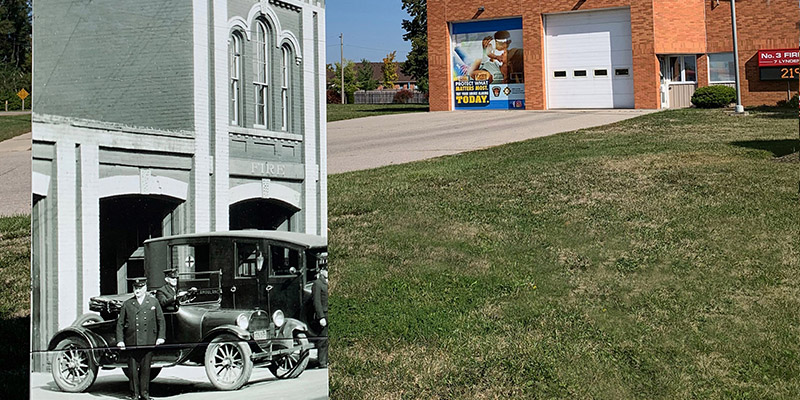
[189, 263]
[23, 94]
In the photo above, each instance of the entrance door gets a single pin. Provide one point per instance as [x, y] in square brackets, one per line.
[679, 73]
[664, 67]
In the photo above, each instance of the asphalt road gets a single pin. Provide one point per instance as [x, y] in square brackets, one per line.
[190, 383]
[371, 142]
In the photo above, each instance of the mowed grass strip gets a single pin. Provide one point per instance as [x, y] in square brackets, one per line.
[15, 305]
[14, 125]
[655, 258]
[338, 112]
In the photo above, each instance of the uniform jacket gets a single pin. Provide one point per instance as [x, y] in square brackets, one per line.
[167, 298]
[320, 291]
[140, 325]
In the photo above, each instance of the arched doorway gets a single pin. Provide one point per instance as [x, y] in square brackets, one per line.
[264, 214]
[125, 223]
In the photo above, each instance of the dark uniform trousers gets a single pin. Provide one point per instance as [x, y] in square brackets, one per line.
[138, 326]
[320, 291]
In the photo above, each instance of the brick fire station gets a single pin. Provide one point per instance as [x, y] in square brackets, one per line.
[647, 54]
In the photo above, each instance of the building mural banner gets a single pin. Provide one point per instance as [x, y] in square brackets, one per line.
[488, 65]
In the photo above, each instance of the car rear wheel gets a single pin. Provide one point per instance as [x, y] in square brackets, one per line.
[292, 365]
[153, 373]
[73, 368]
[227, 361]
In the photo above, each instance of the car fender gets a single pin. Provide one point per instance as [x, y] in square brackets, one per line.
[96, 342]
[290, 326]
[230, 329]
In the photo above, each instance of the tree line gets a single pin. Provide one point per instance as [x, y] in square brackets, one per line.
[15, 51]
[360, 77]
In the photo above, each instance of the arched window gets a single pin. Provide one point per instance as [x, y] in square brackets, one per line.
[236, 78]
[286, 81]
[262, 74]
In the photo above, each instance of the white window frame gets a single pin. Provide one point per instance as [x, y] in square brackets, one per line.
[682, 58]
[236, 46]
[285, 82]
[261, 91]
[708, 65]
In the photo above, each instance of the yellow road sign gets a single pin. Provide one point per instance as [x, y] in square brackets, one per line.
[23, 94]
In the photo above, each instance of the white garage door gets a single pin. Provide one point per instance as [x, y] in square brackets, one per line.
[589, 59]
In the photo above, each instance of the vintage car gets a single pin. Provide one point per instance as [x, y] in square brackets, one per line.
[248, 304]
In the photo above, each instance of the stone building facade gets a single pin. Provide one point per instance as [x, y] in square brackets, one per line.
[155, 118]
[682, 38]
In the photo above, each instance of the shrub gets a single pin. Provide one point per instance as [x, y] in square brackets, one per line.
[403, 96]
[333, 97]
[792, 103]
[713, 96]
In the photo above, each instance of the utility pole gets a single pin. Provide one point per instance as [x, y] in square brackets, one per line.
[739, 106]
[341, 65]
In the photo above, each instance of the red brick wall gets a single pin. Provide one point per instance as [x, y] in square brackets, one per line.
[658, 27]
[760, 25]
[441, 12]
[679, 26]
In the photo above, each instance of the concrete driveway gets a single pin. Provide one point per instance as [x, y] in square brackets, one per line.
[371, 142]
[15, 175]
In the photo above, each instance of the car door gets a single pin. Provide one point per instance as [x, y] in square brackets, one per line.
[285, 280]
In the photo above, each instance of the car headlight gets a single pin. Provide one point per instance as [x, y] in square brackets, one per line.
[242, 321]
[278, 319]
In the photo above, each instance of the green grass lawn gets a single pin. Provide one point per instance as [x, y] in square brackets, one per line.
[338, 112]
[656, 258]
[14, 305]
[14, 125]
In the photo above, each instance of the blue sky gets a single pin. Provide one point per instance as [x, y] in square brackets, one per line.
[372, 29]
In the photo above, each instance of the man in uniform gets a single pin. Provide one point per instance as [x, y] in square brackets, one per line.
[320, 291]
[167, 295]
[141, 326]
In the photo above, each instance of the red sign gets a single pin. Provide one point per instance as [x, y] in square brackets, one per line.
[778, 58]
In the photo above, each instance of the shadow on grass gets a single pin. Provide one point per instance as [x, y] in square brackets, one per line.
[778, 148]
[775, 112]
[15, 357]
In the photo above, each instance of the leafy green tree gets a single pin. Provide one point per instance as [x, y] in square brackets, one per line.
[15, 51]
[416, 28]
[15, 33]
[364, 76]
[335, 82]
[389, 70]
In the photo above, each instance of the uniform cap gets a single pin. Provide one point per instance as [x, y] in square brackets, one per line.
[171, 273]
[138, 282]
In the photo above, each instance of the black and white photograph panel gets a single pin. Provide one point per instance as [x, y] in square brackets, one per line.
[179, 216]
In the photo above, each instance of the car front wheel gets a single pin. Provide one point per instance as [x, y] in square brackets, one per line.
[228, 363]
[73, 368]
[292, 365]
